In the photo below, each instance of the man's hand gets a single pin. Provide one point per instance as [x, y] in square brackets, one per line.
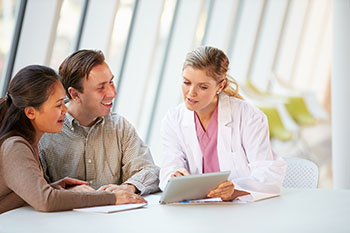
[67, 182]
[180, 172]
[114, 188]
[124, 197]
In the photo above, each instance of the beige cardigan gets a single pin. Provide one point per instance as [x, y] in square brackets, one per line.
[22, 182]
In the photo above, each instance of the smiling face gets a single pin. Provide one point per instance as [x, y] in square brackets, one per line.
[98, 93]
[49, 117]
[200, 90]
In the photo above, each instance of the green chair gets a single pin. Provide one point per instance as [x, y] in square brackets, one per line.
[276, 127]
[295, 105]
[298, 111]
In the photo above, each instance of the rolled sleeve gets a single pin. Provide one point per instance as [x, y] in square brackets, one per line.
[138, 167]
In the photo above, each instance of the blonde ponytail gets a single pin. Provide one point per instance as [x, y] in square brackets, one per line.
[230, 90]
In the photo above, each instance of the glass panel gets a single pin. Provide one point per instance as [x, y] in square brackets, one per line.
[119, 36]
[310, 43]
[8, 12]
[201, 24]
[165, 23]
[67, 29]
[290, 38]
[244, 38]
[266, 44]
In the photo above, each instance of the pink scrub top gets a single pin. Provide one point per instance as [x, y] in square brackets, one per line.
[208, 142]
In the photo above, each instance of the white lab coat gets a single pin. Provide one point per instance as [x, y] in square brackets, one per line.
[243, 148]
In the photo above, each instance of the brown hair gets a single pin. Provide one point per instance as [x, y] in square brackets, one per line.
[31, 86]
[216, 64]
[78, 66]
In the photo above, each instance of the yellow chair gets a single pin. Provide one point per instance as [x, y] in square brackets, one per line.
[298, 111]
[295, 105]
[276, 127]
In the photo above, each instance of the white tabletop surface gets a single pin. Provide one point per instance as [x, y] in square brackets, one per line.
[296, 210]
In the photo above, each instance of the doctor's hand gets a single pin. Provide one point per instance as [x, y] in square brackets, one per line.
[224, 190]
[123, 197]
[67, 182]
[180, 172]
[114, 188]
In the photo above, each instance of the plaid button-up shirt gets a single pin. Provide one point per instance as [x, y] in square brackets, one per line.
[110, 152]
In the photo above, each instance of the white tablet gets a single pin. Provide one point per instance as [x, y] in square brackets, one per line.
[191, 187]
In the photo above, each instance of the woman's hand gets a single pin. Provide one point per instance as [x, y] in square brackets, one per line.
[180, 172]
[82, 188]
[68, 182]
[224, 190]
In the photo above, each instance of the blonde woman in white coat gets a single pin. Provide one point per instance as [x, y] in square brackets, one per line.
[216, 130]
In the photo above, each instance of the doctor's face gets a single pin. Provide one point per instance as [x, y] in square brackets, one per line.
[199, 90]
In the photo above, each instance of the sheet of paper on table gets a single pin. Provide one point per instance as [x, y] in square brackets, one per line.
[111, 208]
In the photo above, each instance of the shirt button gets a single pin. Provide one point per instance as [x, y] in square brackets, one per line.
[89, 160]
[91, 181]
[72, 129]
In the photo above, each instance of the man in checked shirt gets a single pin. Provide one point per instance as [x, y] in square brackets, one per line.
[96, 145]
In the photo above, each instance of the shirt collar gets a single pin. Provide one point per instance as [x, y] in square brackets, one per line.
[72, 122]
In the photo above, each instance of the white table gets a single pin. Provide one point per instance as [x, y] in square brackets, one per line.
[296, 210]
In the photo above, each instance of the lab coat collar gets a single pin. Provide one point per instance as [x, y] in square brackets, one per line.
[225, 128]
[191, 140]
[225, 115]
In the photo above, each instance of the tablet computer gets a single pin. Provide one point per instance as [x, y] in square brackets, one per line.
[191, 187]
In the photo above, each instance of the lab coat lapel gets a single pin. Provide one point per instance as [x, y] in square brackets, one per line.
[225, 124]
[195, 156]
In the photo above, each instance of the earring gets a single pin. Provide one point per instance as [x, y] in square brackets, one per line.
[218, 92]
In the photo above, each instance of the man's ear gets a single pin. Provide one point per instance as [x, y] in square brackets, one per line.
[74, 93]
[30, 112]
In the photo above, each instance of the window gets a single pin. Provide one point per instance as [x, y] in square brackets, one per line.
[120, 36]
[8, 12]
[67, 30]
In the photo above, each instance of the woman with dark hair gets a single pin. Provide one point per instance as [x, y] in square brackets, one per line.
[216, 130]
[34, 105]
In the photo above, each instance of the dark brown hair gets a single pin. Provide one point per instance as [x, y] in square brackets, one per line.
[78, 66]
[216, 64]
[30, 87]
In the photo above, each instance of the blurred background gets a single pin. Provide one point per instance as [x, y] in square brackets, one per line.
[279, 50]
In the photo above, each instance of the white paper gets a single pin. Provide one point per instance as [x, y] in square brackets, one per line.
[111, 208]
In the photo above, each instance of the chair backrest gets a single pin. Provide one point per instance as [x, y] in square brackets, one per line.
[301, 173]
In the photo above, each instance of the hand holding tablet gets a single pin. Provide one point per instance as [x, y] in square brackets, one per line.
[180, 172]
[192, 187]
[224, 190]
